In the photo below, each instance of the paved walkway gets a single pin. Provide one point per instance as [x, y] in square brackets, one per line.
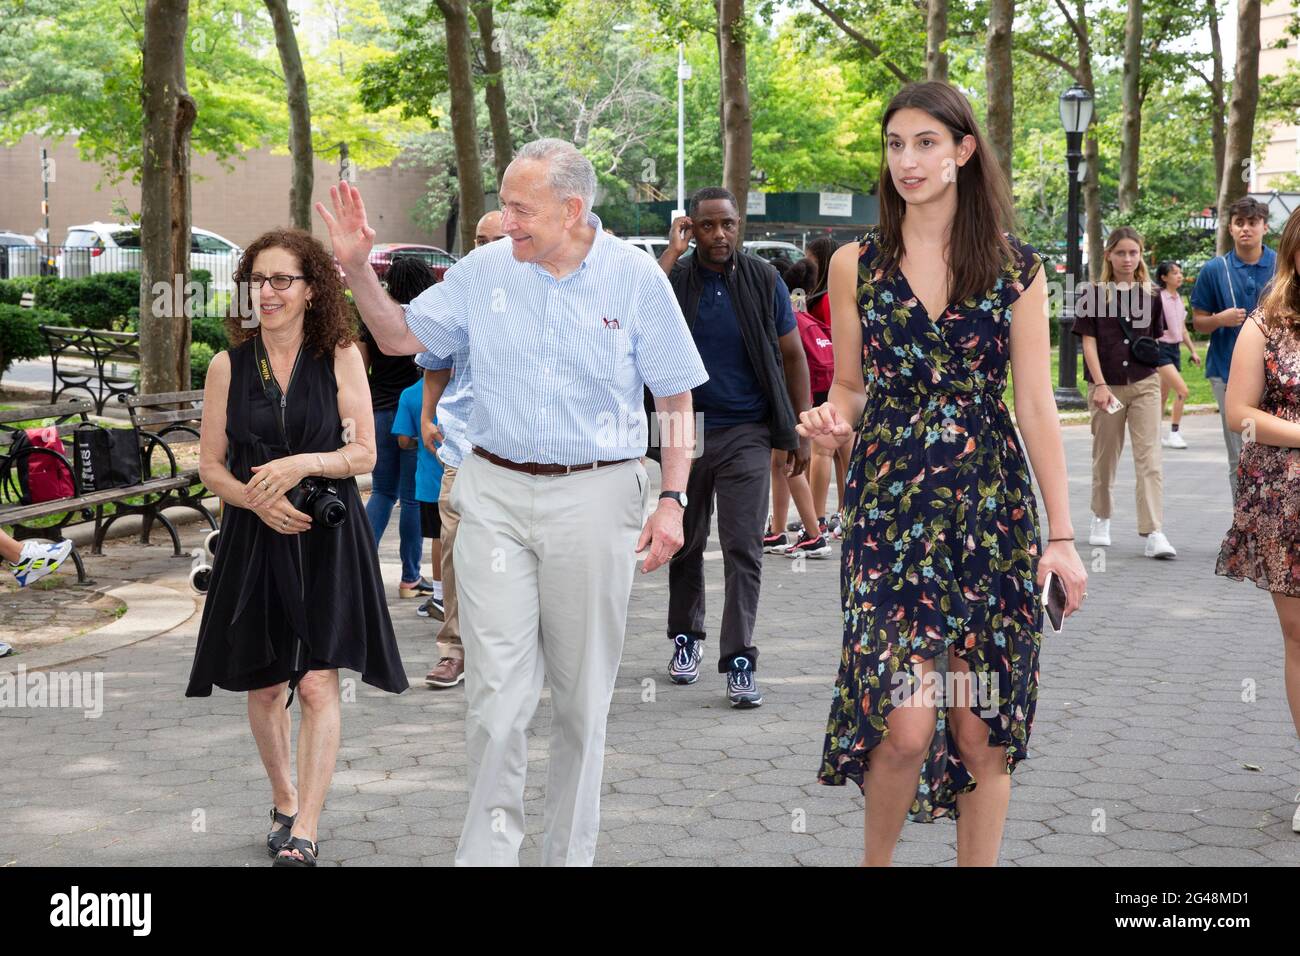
[1162, 734]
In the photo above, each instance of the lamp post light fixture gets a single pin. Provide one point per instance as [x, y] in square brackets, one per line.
[1076, 114]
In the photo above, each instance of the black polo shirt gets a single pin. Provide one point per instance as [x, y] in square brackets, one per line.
[1097, 312]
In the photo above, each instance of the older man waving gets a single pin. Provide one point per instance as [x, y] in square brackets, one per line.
[564, 325]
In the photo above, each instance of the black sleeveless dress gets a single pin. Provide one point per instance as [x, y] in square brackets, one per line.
[279, 605]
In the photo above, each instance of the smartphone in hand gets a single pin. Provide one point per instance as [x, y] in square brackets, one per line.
[1114, 405]
[1054, 600]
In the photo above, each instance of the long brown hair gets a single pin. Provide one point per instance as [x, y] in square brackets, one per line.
[1140, 275]
[329, 320]
[984, 209]
[1280, 303]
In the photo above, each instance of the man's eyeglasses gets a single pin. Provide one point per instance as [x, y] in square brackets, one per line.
[278, 282]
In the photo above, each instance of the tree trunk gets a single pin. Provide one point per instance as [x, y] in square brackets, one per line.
[495, 94]
[1092, 207]
[464, 129]
[1132, 133]
[169, 113]
[295, 82]
[737, 128]
[936, 31]
[999, 81]
[1218, 108]
[1241, 119]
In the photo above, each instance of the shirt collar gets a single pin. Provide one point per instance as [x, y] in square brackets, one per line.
[1265, 256]
[596, 247]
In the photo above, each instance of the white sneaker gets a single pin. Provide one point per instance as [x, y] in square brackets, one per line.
[1100, 533]
[1158, 546]
[1295, 821]
[1173, 440]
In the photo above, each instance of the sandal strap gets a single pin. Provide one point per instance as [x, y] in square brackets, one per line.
[302, 845]
[278, 817]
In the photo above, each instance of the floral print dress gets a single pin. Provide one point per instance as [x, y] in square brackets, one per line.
[1263, 545]
[941, 536]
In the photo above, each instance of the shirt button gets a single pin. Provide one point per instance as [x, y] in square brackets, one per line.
[1126, 341]
[1123, 363]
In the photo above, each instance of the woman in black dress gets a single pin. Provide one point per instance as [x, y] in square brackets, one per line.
[295, 591]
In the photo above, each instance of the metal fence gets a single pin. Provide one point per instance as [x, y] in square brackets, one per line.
[75, 262]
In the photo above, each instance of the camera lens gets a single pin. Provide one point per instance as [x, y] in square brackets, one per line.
[331, 512]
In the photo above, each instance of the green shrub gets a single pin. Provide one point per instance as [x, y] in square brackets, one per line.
[106, 300]
[209, 330]
[20, 335]
[12, 290]
[200, 358]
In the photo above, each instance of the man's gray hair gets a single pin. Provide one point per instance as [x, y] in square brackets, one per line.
[568, 172]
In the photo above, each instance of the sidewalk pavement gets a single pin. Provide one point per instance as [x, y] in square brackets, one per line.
[1162, 734]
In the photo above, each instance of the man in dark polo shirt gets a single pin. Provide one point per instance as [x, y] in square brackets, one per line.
[739, 313]
[1114, 374]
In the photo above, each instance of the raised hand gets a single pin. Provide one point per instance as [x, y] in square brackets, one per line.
[350, 235]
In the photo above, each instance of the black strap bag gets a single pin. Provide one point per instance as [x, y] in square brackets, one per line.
[1144, 349]
[105, 458]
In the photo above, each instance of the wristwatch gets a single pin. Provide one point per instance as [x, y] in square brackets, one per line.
[677, 496]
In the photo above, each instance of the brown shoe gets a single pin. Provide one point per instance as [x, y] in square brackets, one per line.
[448, 672]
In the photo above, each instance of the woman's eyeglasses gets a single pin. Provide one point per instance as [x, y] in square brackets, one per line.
[278, 282]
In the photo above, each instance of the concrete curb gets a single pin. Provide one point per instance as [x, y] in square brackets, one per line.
[150, 610]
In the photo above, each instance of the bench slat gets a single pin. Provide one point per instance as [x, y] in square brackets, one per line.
[164, 398]
[19, 513]
[30, 412]
[144, 420]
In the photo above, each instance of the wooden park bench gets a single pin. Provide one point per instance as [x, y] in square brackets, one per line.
[104, 350]
[165, 483]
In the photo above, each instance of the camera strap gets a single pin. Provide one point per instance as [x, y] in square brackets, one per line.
[271, 387]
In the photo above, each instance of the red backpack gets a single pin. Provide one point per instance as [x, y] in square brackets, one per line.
[817, 346]
[41, 476]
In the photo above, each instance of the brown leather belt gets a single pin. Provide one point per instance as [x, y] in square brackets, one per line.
[536, 468]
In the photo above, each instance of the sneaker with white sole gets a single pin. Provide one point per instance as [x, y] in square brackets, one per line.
[817, 547]
[742, 688]
[777, 542]
[39, 559]
[1158, 546]
[1100, 533]
[684, 668]
[1295, 820]
[1173, 440]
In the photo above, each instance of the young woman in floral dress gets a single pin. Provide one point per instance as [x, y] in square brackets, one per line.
[942, 560]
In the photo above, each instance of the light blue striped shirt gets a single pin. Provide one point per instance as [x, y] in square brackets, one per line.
[454, 407]
[559, 364]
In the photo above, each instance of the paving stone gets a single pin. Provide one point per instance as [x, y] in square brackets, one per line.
[1154, 734]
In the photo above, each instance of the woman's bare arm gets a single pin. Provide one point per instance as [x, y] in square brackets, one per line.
[1035, 402]
[1246, 387]
[847, 392]
[213, 444]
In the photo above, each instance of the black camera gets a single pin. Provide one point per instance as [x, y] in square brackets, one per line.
[320, 499]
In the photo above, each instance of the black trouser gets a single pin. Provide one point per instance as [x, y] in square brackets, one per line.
[734, 465]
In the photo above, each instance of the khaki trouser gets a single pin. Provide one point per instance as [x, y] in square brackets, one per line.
[1231, 439]
[545, 569]
[1141, 413]
[449, 644]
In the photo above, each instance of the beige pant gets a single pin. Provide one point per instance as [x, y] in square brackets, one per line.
[544, 570]
[449, 644]
[1141, 413]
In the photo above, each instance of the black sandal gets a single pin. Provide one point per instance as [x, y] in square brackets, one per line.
[303, 846]
[278, 838]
